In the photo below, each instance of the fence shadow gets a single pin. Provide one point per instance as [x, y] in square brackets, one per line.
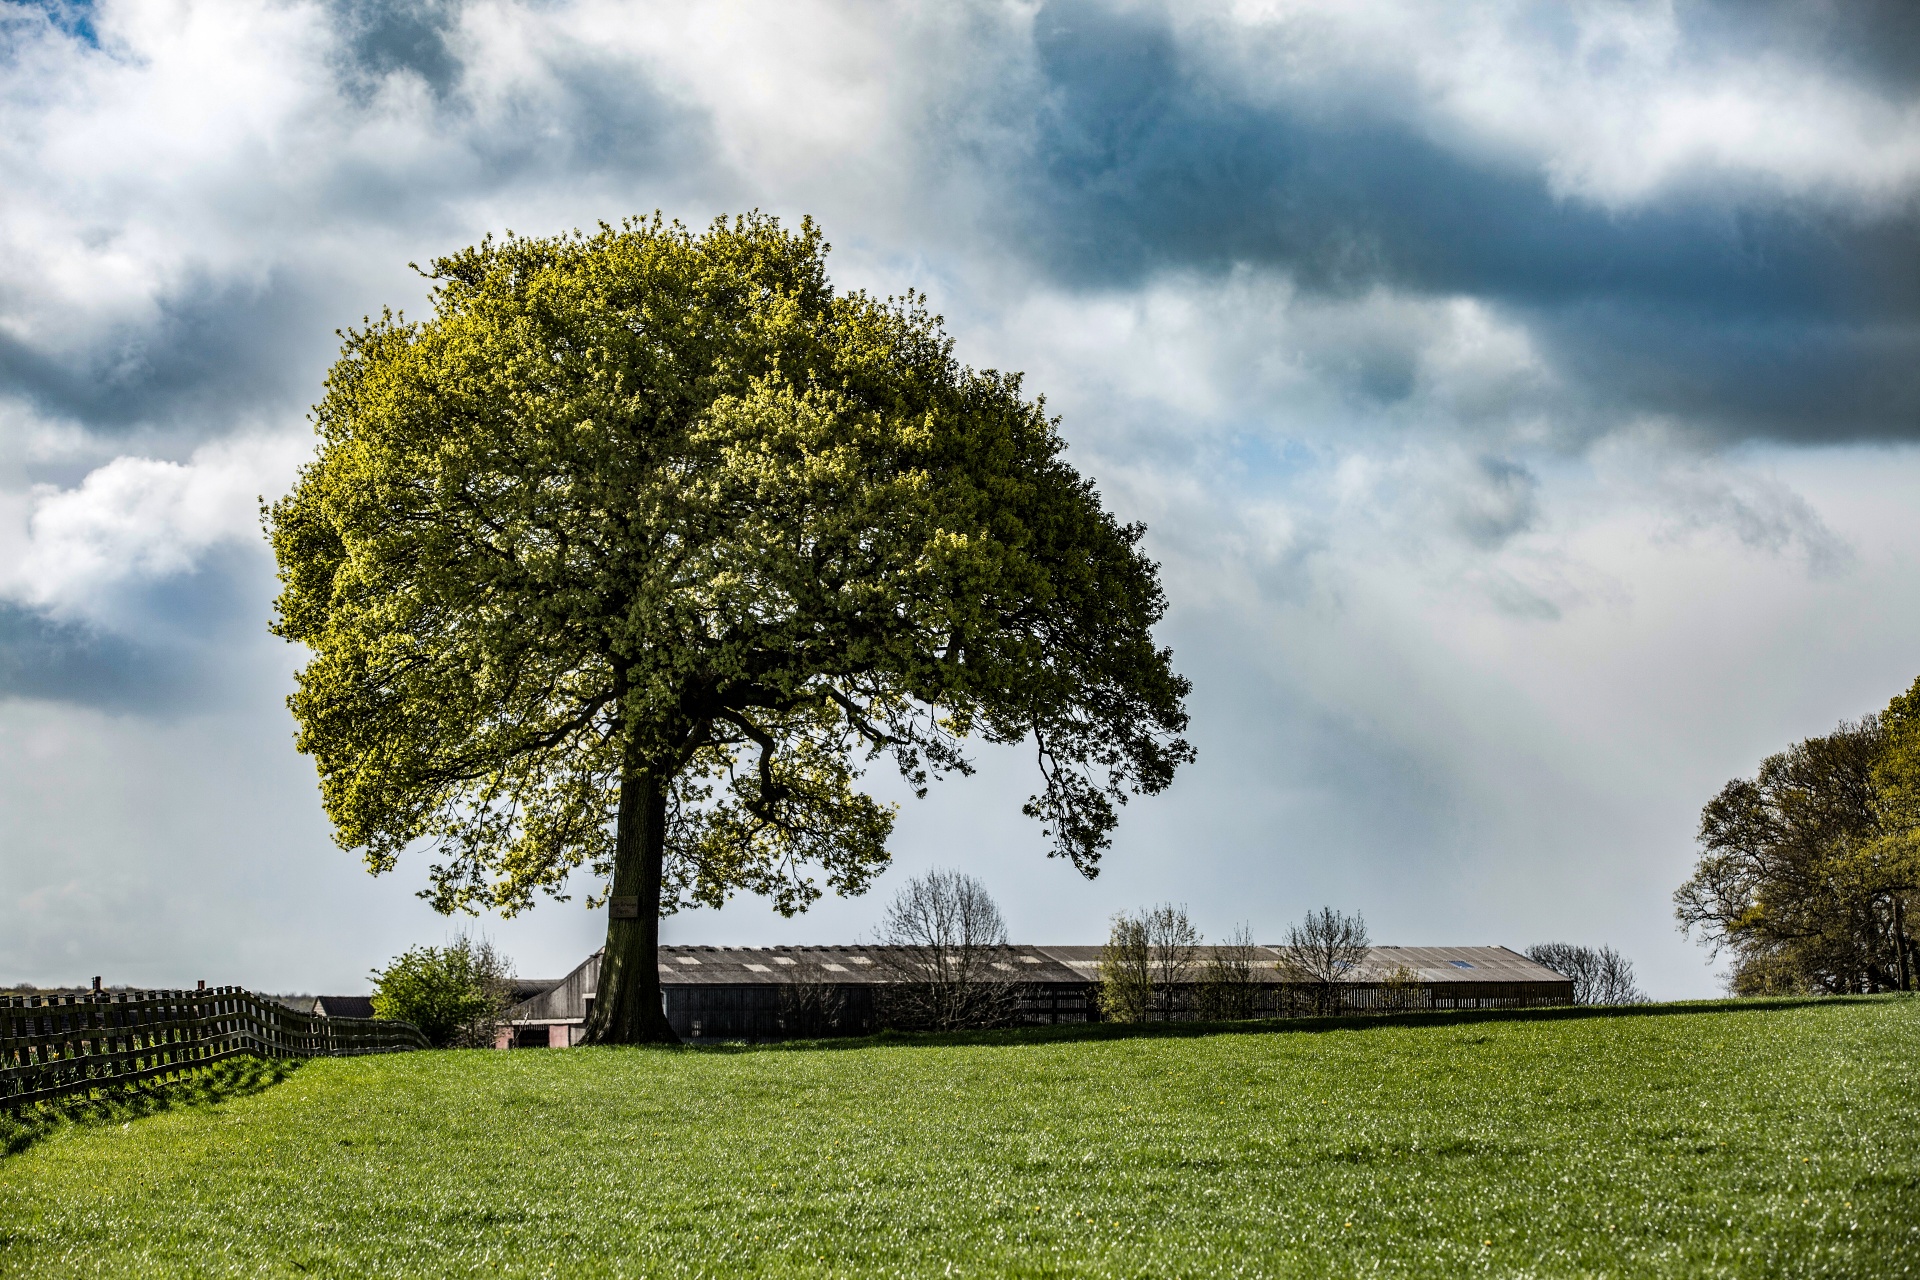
[53, 1046]
[121, 1103]
[1099, 1031]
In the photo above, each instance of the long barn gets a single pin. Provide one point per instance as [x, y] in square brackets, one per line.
[715, 994]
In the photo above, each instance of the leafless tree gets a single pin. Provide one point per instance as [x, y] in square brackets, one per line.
[1322, 951]
[1615, 984]
[944, 943]
[1171, 943]
[491, 974]
[1126, 971]
[1227, 987]
[1600, 975]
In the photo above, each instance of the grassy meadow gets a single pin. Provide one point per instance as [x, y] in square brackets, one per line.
[1737, 1139]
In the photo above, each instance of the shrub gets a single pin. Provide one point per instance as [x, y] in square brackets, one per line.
[1766, 973]
[1401, 990]
[457, 995]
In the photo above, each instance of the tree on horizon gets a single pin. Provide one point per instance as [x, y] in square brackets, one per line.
[634, 553]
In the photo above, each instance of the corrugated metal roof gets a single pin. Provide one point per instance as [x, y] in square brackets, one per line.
[694, 966]
[754, 966]
[1457, 964]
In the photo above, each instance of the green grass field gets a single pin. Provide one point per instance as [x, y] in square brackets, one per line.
[1749, 1139]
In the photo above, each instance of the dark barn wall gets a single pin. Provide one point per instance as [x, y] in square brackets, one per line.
[777, 1011]
[768, 1011]
[780, 1011]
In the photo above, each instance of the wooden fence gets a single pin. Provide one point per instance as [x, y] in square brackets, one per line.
[51, 1046]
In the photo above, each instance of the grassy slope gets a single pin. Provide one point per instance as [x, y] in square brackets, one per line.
[1734, 1140]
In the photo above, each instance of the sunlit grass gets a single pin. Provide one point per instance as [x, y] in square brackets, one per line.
[1753, 1139]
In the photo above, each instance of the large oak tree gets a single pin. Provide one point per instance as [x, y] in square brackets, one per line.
[646, 542]
[1807, 868]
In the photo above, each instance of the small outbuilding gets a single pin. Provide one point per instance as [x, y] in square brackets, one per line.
[714, 994]
[343, 1006]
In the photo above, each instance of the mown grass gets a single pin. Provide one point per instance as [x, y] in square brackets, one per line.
[1750, 1139]
[224, 1081]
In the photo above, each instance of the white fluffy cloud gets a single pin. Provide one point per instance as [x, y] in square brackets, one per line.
[136, 520]
[1612, 101]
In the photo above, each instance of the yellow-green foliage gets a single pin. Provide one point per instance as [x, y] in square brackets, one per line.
[1896, 776]
[1762, 1139]
[1896, 773]
[1126, 973]
[655, 505]
[1810, 870]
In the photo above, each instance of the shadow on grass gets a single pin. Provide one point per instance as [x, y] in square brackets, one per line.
[1095, 1031]
[222, 1082]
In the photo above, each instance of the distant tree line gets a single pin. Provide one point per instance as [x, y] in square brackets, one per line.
[1809, 869]
[944, 943]
[1153, 969]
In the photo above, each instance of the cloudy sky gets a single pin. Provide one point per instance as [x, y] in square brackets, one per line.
[1521, 398]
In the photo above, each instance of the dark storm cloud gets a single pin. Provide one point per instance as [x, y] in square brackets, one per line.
[1503, 500]
[1742, 313]
[601, 119]
[1730, 310]
[1874, 41]
[212, 350]
[66, 662]
[380, 37]
[603, 115]
[158, 648]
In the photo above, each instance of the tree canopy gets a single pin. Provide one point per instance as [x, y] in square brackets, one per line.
[635, 552]
[1809, 868]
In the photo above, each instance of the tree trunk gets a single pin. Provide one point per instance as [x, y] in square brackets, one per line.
[1901, 947]
[626, 1005]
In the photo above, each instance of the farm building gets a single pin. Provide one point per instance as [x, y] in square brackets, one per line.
[774, 993]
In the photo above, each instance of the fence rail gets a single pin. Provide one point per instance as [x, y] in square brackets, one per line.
[51, 1046]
